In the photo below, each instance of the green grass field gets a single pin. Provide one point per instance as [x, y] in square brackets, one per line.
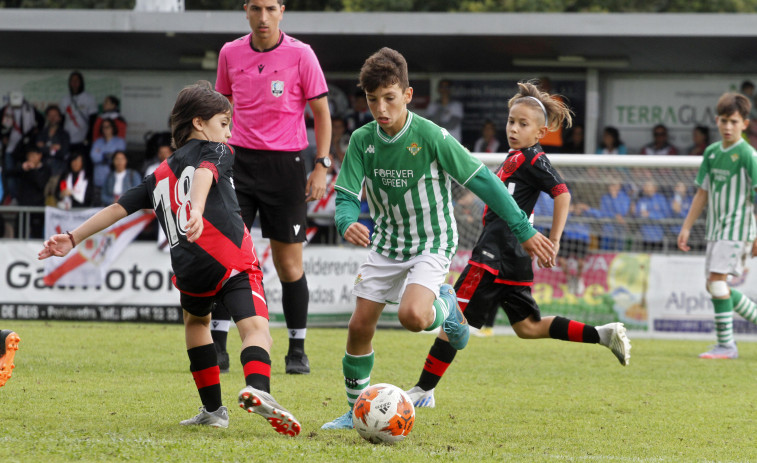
[111, 392]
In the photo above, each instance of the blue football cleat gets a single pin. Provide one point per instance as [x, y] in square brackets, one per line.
[454, 325]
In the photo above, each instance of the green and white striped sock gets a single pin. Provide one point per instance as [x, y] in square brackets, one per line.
[744, 306]
[723, 320]
[441, 309]
[357, 375]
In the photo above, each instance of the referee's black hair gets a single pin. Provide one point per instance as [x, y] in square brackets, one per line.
[196, 100]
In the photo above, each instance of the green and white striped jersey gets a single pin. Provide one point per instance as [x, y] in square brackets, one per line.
[729, 176]
[408, 185]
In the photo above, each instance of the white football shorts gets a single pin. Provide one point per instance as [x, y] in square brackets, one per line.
[726, 257]
[381, 279]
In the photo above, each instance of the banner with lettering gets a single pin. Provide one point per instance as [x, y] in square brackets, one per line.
[89, 261]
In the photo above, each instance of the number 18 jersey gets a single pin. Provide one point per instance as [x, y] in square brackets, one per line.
[225, 247]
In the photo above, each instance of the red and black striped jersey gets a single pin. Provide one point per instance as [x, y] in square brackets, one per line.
[225, 247]
[526, 173]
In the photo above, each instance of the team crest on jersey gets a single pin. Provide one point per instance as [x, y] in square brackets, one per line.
[512, 164]
[735, 157]
[414, 148]
[277, 88]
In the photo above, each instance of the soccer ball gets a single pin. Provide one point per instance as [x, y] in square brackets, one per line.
[383, 414]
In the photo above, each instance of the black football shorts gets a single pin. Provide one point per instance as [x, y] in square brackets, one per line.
[272, 183]
[478, 295]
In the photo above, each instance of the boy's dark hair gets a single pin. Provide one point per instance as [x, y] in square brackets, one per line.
[615, 134]
[384, 68]
[731, 103]
[196, 100]
[704, 130]
[281, 2]
[32, 148]
[114, 100]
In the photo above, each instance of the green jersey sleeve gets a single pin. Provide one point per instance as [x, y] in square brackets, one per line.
[750, 163]
[455, 159]
[492, 191]
[348, 186]
[704, 169]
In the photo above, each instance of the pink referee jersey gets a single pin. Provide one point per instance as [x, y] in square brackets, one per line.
[270, 90]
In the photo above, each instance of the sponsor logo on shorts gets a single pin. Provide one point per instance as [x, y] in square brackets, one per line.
[277, 88]
[358, 278]
[296, 229]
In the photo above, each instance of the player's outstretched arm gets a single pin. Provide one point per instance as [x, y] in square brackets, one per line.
[198, 194]
[697, 206]
[61, 244]
[493, 192]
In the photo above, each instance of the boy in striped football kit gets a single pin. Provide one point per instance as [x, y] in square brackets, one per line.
[407, 164]
[727, 179]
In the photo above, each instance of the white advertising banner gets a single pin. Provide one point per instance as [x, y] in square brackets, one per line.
[634, 104]
[138, 285]
[679, 303]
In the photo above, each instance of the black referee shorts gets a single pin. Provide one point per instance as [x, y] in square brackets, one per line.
[478, 295]
[272, 183]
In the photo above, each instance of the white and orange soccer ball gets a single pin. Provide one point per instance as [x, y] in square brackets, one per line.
[383, 414]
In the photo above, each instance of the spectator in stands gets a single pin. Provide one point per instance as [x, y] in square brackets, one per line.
[747, 89]
[574, 244]
[651, 206]
[103, 148]
[340, 139]
[54, 141]
[19, 125]
[701, 137]
[359, 115]
[111, 111]
[552, 142]
[32, 177]
[611, 143]
[75, 185]
[680, 202]
[575, 142]
[164, 152]
[660, 144]
[120, 179]
[614, 206]
[468, 211]
[488, 143]
[153, 142]
[79, 107]
[446, 112]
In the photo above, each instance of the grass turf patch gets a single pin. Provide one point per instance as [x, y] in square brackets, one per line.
[116, 391]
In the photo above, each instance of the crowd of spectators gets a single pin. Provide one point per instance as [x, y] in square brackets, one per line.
[75, 155]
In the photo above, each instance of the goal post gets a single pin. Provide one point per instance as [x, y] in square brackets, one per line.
[626, 212]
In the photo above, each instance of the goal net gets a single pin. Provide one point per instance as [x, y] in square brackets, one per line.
[623, 210]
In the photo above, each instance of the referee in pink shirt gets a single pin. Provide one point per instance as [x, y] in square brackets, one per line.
[269, 77]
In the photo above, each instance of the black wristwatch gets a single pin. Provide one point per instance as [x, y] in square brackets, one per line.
[325, 161]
